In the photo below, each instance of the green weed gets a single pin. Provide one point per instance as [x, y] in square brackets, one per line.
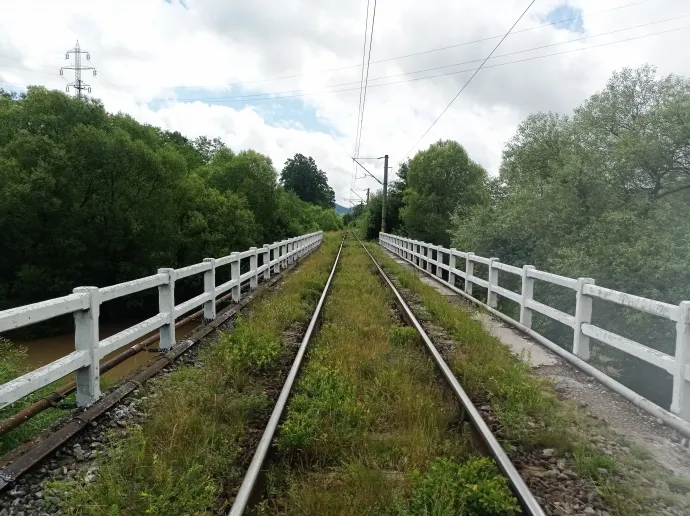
[530, 414]
[190, 450]
[368, 410]
[451, 489]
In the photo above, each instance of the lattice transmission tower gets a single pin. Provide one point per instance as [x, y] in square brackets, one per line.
[78, 84]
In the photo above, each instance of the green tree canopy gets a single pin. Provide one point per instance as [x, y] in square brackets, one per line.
[441, 181]
[93, 198]
[302, 176]
[604, 193]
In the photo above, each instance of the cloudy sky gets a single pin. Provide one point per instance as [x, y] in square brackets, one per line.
[206, 67]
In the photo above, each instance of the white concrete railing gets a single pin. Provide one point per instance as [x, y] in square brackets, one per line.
[85, 304]
[425, 256]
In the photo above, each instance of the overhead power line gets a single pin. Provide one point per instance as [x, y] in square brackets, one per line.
[415, 79]
[366, 82]
[438, 49]
[232, 99]
[361, 87]
[258, 96]
[470, 79]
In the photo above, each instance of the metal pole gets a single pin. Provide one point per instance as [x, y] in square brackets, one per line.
[367, 197]
[385, 193]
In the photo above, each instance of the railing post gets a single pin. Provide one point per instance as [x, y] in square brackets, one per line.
[583, 314]
[290, 247]
[439, 263]
[86, 339]
[253, 260]
[210, 288]
[418, 259]
[235, 276]
[527, 295]
[166, 305]
[469, 271]
[276, 258]
[451, 266]
[267, 262]
[491, 296]
[429, 257]
[281, 253]
[680, 401]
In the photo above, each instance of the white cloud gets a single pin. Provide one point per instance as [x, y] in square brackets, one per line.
[149, 49]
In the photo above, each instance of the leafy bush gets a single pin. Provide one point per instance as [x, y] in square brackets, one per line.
[451, 489]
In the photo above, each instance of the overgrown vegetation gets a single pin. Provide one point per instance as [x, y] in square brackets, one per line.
[93, 198]
[369, 417]
[530, 414]
[190, 453]
[602, 193]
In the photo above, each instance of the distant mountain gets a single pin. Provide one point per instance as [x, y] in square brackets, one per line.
[341, 210]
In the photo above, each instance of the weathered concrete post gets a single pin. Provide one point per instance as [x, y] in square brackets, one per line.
[253, 261]
[210, 288]
[235, 276]
[166, 305]
[527, 292]
[439, 262]
[680, 400]
[279, 256]
[451, 265]
[276, 258]
[267, 262]
[86, 339]
[583, 314]
[290, 248]
[469, 271]
[429, 257]
[491, 296]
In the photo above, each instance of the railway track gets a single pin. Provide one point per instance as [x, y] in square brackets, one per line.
[489, 445]
[252, 488]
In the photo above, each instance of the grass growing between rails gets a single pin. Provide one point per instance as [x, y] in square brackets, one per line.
[190, 454]
[370, 418]
[530, 413]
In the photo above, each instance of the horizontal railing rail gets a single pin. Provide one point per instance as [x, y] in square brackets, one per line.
[84, 303]
[434, 259]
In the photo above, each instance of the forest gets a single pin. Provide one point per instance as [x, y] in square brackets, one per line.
[603, 193]
[93, 198]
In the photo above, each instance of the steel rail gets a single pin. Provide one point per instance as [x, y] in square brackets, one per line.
[17, 466]
[253, 472]
[520, 489]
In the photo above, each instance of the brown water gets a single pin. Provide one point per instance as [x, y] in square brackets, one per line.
[46, 350]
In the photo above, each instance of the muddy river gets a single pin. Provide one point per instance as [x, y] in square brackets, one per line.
[45, 350]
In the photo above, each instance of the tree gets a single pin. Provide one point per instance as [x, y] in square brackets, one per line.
[92, 198]
[250, 175]
[604, 193]
[302, 176]
[441, 181]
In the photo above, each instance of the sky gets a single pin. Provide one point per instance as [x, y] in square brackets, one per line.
[219, 68]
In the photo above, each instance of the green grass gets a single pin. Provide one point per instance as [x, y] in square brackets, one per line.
[369, 418]
[489, 372]
[190, 452]
[530, 413]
